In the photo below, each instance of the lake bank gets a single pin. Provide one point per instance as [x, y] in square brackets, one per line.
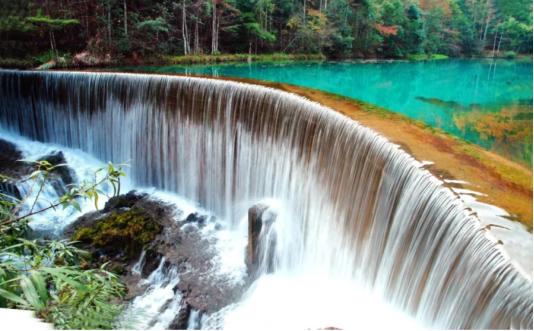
[87, 60]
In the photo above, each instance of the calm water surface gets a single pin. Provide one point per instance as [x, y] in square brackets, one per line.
[488, 103]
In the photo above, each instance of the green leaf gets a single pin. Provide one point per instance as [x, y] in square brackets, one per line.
[63, 274]
[30, 293]
[13, 297]
[40, 285]
[76, 205]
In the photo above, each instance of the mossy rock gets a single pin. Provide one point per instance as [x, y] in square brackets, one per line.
[120, 232]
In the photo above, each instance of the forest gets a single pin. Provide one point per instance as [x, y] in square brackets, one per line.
[137, 30]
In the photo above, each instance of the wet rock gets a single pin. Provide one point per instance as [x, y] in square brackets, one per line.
[202, 287]
[181, 321]
[62, 175]
[196, 218]
[152, 259]
[10, 190]
[127, 200]
[11, 170]
[261, 240]
[9, 160]
[126, 225]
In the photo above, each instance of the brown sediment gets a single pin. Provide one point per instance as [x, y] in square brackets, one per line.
[504, 183]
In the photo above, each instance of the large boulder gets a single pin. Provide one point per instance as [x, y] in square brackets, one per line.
[135, 222]
[122, 229]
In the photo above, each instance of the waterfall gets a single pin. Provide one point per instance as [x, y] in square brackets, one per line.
[350, 203]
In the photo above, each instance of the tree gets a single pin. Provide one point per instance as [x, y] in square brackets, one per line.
[51, 25]
[341, 37]
[517, 35]
[392, 28]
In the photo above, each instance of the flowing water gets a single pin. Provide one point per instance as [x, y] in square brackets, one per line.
[485, 102]
[364, 233]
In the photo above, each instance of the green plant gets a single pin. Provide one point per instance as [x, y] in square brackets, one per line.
[85, 190]
[426, 57]
[52, 277]
[132, 229]
[510, 55]
[48, 277]
[44, 57]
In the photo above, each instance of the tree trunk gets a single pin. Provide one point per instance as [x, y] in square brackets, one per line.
[217, 39]
[499, 45]
[125, 18]
[185, 34]
[53, 44]
[489, 14]
[109, 26]
[214, 28]
[197, 41]
[494, 45]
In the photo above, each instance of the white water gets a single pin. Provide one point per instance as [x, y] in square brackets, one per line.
[304, 302]
[85, 167]
[355, 210]
[158, 305]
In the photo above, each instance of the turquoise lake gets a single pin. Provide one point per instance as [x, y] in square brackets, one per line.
[482, 101]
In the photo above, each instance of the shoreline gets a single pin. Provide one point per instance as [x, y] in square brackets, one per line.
[103, 62]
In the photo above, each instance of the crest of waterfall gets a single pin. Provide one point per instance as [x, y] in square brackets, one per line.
[351, 203]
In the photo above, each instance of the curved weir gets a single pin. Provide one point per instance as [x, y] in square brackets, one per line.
[351, 205]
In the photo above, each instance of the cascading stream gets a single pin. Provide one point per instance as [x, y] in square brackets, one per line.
[352, 205]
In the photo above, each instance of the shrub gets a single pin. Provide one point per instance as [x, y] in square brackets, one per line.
[510, 55]
[49, 276]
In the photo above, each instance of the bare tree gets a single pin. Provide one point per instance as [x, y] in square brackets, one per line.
[125, 11]
[185, 33]
[214, 29]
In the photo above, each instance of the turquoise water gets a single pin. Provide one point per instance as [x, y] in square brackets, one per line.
[452, 95]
